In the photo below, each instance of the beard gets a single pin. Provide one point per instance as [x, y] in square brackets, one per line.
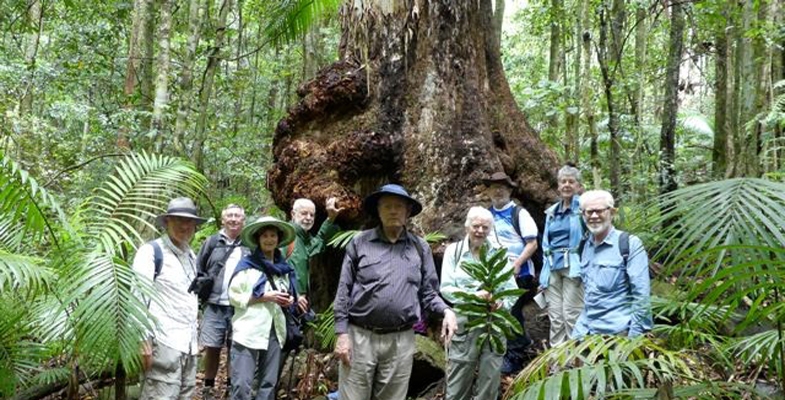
[598, 227]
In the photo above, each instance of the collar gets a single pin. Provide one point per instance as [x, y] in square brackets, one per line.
[378, 236]
[467, 249]
[610, 238]
[574, 205]
[226, 237]
[508, 205]
[176, 250]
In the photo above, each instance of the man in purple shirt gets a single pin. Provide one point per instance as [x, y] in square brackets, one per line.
[387, 275]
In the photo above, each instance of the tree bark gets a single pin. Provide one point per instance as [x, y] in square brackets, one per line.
[213, 59]
[668, 131]
[748, 86]
[419, 97]
[608, 65]
[640, 63]
[587, 103]
[719, 149]
[147, 40]
[186, 76]
[555, 55]
[162, 72]
[35, 16]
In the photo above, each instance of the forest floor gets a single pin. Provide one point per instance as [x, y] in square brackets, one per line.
[326, 372]
[317, 374]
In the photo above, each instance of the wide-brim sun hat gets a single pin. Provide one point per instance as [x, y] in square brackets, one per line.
[371, 202]
[499, 177]
[250, 230]
[180, 207]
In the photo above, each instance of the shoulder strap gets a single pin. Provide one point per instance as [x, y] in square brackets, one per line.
[516, 220]
[624, 247]
[417, 245]
[158, 259]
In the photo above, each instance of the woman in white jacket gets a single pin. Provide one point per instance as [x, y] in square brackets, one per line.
[259, 324]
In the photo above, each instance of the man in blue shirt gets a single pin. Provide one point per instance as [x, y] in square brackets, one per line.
[617, 293]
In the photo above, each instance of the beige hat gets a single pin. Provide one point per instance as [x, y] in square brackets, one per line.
[248, 233]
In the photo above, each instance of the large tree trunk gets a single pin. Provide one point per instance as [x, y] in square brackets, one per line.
[418, 97]
[35, 17]
[668, 132]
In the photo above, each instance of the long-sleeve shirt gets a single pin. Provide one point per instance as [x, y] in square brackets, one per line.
[383, 284]
[251, 323]
[617, 298]
[561, 240]
[455, 279]
[174, 309]
[305, 247]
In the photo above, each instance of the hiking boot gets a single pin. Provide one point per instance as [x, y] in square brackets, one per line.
[511, 364]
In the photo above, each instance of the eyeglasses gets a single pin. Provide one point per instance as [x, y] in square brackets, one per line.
[598, 211]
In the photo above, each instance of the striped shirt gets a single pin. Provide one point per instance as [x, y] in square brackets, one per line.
[383, 284]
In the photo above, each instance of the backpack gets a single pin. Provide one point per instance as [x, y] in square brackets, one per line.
[158, 263]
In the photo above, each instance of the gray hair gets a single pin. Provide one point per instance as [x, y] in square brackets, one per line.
[597, 194]
[478, 213]
[231, 207]
[569, 170]
[301, 203]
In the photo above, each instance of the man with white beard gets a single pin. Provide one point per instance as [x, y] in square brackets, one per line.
[617, 286]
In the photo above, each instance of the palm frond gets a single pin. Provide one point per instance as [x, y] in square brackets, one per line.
[341, 239]
[25, 206]
[131, 198]
[21, 272]
[434, 237]
[598, 366]
[324, 325]
[760, 348]
[291, 19]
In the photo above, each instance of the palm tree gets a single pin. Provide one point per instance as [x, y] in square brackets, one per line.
[83, 313]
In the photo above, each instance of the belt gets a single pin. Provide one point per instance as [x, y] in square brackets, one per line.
[384, 330]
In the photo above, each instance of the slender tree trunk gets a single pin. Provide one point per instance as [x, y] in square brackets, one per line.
[186, 76]
[147, 40]
[555, 56]
[640, 63]
[587, 91]
[720, 147]
[748, 138]
[35, 16]
[778, 74]
[668, 132]
[573, 110]
[162, 73]
[251, 118]
[607, 70]
[498, 22]
[213, 59]
[133, 70]
[240, 65]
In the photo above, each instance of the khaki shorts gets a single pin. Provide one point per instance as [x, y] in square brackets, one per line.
[172, 376]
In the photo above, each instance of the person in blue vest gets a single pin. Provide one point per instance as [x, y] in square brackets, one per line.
[560, 277]
[617, 286]
[514, 230]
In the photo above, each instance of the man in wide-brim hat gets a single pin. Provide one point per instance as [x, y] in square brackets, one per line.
[169, 354]
[386, 274]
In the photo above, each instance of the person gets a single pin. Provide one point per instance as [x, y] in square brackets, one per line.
[387, 274]
[169, 352]
[259, 323]
[472, 372]
[306, 245]
[560, 277]
[617, 288]
[515, 230]
[218, 258]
